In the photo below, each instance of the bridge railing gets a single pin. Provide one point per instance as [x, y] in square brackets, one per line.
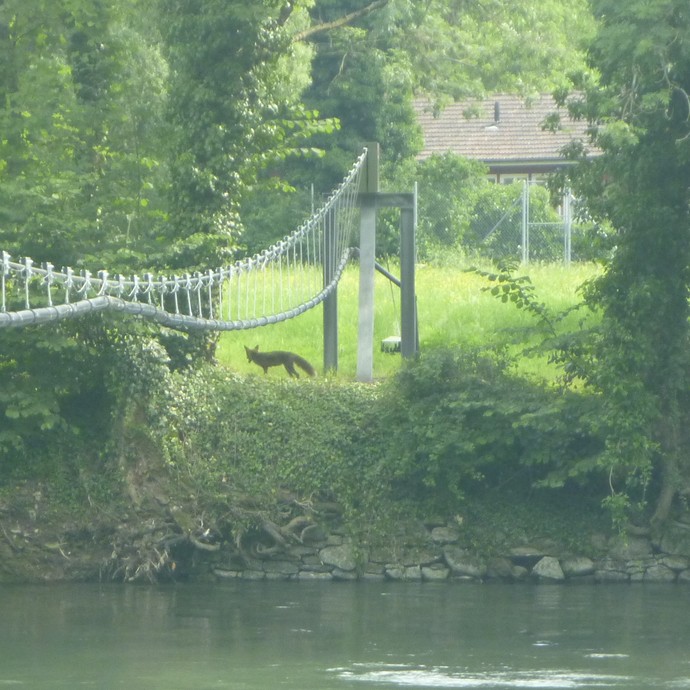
[276, 284]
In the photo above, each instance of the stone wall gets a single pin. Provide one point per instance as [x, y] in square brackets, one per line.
[155, 544]
[434, 553]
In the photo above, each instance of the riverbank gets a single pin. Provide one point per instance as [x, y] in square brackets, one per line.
[151, 534]
[439, 553]
[454, 471]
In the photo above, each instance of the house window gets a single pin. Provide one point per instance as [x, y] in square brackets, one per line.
[513, 177]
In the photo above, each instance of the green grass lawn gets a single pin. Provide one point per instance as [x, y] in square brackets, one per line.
[452, 311]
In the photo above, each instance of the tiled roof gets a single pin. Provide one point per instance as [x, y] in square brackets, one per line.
[502, 128]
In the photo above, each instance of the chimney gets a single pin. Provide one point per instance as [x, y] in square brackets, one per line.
[497, 112]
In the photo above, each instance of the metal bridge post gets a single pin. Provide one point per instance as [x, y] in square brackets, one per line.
[330, 304]
[367, 260]
[370, 199]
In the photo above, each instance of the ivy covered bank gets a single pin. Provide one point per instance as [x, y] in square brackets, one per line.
[454, 470]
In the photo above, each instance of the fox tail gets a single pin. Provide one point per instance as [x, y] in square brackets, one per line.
[305, 366]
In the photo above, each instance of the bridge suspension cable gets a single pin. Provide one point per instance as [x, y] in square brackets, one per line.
[277, 284]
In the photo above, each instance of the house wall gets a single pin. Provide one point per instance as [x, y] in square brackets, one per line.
[503, 173]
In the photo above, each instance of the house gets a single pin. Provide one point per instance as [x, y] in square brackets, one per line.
[506, 132]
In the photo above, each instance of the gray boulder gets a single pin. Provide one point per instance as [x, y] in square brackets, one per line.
[341, 556]
[461, 562]
[577, 566]
[548, 568]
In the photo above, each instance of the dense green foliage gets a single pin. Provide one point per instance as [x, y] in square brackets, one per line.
[82, 93]
[243, 440]
[638, 361]
[446, 425]
[234, 109]
[460, 210]
[466, 48]
[462, 420]
[141, 136]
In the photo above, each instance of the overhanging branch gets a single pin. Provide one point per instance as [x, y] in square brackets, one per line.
[341, 21]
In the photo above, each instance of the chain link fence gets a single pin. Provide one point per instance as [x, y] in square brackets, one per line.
[459, 212]
[525, 226]
[519, 221]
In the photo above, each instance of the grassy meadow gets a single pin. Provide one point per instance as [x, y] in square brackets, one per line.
[452, 309]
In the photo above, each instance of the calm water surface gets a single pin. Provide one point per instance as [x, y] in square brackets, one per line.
[349, 636]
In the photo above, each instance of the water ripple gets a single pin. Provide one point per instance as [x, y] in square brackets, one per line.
[438, 678]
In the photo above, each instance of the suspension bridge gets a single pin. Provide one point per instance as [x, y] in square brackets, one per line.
[279, 283]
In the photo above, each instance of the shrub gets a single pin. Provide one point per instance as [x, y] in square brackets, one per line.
[250, 436]
[459, 420]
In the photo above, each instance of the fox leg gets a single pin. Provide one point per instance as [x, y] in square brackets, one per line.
[290, 368]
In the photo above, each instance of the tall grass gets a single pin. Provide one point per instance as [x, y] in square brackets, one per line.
[452, 309]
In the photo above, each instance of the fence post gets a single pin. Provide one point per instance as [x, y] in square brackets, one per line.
[525, 222]
[567, 226]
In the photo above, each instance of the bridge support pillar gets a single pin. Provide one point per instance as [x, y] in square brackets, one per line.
[367, 260]
[330, 304]
[370, 199]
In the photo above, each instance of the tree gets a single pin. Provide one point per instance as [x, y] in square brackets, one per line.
[82, 88]
[457, 49]
[82, 95]
[640, 119]
[372, 58]
[234, 109]
[89, 104]
[449, 187]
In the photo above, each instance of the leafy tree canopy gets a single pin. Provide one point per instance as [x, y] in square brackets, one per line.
[640, 116]
[134, 133]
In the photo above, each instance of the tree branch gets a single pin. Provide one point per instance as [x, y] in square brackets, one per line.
[341, 21]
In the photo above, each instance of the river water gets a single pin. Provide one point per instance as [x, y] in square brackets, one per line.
[344, 636]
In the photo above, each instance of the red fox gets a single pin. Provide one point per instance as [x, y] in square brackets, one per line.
[278, 357]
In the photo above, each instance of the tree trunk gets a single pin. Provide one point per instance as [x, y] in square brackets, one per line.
[670, 468]
[667, 492]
